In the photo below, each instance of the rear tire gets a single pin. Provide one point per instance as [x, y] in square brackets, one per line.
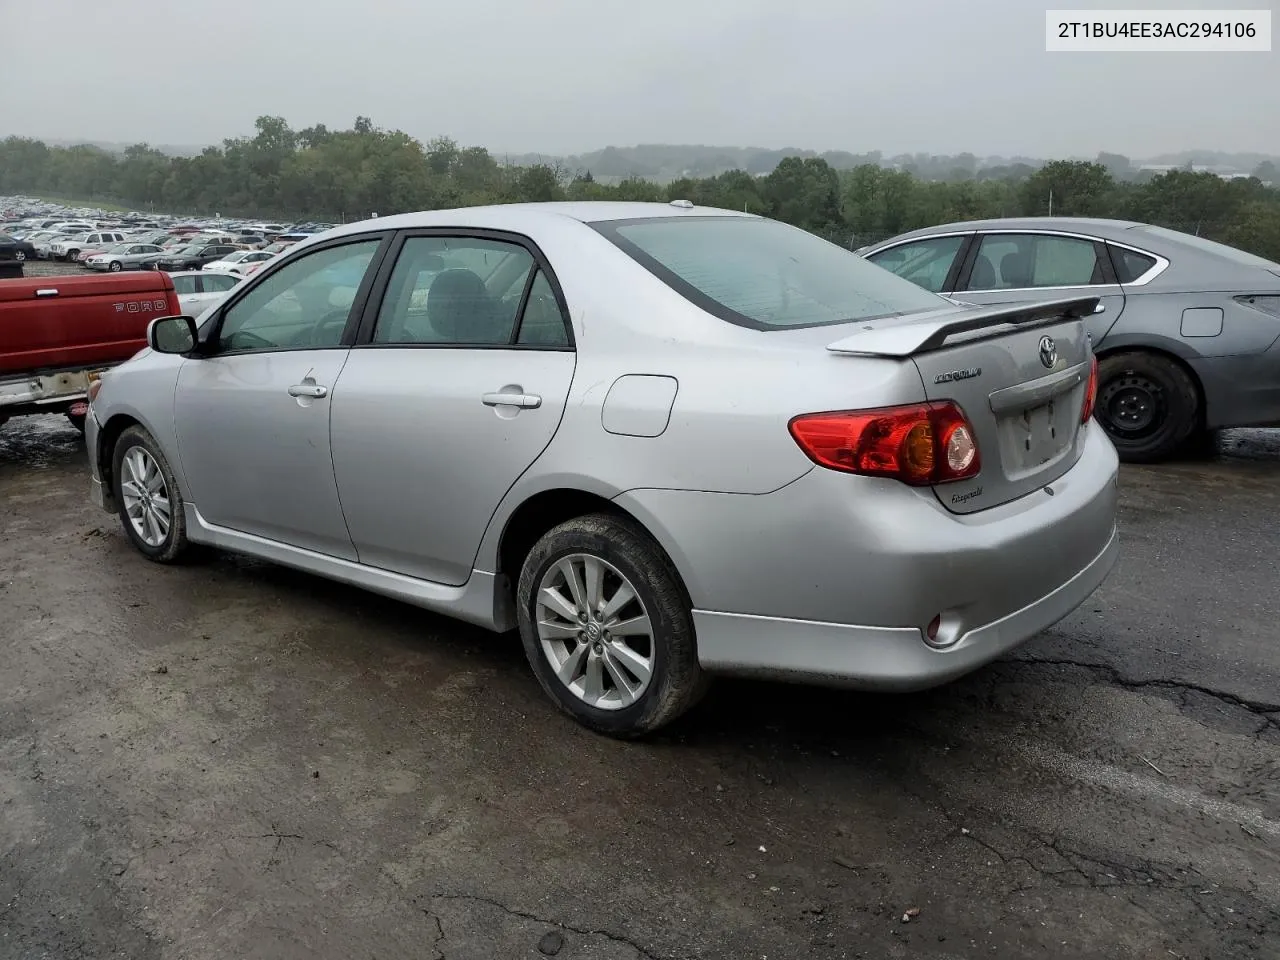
[148, 498]
[627, 655]
[1148, 405]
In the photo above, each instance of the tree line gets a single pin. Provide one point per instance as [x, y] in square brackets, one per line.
[322, 174]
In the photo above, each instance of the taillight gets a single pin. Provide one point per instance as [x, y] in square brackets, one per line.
[1090, 390]
[921, 444]
[94, 387]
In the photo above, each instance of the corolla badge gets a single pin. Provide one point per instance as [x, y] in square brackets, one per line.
[952, 375]
[1048, 351]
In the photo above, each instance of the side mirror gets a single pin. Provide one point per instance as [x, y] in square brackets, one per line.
[172, 335]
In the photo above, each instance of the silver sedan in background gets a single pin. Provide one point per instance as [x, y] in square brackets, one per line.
[660, 441]
[1187, 330]
[123, 256]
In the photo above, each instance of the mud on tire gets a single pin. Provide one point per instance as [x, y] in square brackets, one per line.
[624, 558]
[162, 495]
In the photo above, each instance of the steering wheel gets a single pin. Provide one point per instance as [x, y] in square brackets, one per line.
[319, 335]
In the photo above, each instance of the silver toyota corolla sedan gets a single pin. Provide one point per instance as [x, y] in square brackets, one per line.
[662, 441]
[1187, 331]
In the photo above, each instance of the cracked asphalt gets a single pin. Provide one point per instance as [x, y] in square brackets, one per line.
[236, 760]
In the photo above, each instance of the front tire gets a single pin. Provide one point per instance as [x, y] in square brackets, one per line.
[116, 266]
[1148, 405]
[149, 500]
[607, 626]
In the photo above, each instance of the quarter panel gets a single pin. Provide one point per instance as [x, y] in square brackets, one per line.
[1157, 317]
[738, 388]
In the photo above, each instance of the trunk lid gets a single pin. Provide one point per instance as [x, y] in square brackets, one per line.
[1018, 371]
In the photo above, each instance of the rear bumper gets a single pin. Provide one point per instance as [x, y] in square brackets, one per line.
[880, 658]
[837, 577]
[1242, 391]
[53, 388]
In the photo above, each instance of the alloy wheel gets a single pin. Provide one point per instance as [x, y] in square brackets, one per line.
[595, 632]
[145, 495]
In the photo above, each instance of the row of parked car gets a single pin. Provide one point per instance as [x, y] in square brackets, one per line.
[137, 243]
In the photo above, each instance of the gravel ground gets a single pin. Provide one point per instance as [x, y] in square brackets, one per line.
[236, 760]
[52, 268]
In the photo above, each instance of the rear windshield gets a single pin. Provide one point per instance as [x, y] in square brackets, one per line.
[1209, 246]
[765, 274]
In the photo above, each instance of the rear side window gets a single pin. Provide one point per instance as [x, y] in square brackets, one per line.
[218, 283]
[1130, 264]
[764, 274]
[454, 290]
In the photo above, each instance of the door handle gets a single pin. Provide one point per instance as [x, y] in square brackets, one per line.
[525, 401]
[1100, 308]
[308, 390]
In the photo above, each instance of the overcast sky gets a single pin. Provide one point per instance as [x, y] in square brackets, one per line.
[562, 76]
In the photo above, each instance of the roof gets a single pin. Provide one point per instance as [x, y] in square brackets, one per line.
[1035, 223]
[522, 216]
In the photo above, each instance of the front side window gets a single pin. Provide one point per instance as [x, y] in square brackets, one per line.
[926, 263]
[304, 304]
[454, 290]
[1014, 261]
[184, 286]
[764, 274]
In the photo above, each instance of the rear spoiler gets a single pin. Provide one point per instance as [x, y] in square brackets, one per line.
[931, 332]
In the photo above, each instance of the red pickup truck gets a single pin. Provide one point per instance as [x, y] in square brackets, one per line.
[57, 335]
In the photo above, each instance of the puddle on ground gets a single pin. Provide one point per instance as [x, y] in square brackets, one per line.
[39, 442]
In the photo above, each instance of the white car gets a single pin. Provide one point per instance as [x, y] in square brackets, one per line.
[198, 290]
[70, 248]
[238, 263]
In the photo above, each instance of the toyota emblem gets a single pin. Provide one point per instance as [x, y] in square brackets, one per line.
[1048, 351]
